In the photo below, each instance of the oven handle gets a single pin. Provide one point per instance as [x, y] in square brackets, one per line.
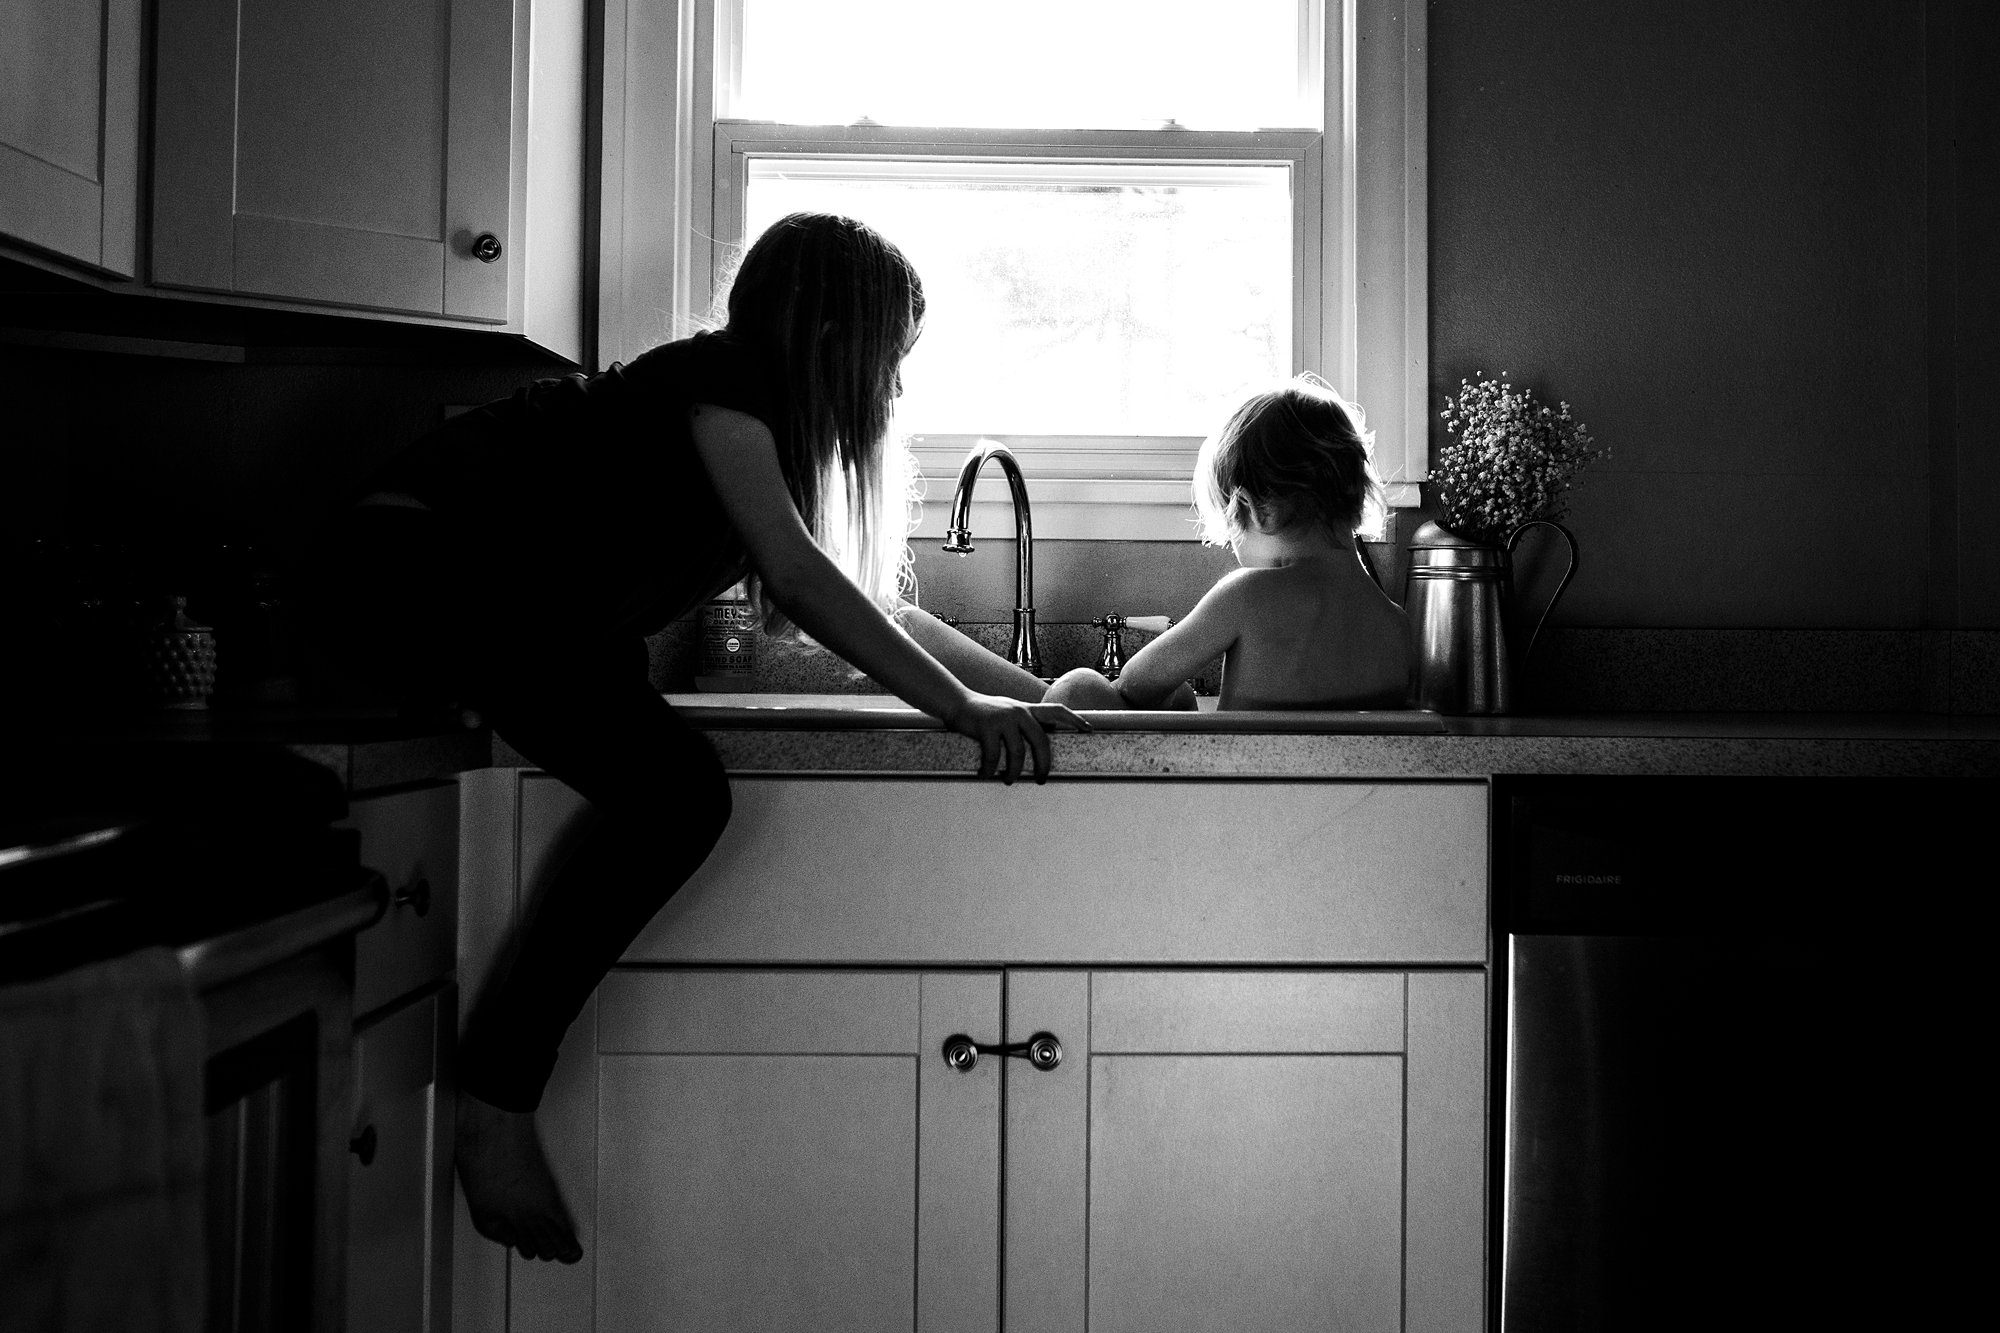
[224, 958]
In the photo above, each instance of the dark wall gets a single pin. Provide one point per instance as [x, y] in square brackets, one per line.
[116, 447]
[1965, 217]
[1704, 225]
[164, 424]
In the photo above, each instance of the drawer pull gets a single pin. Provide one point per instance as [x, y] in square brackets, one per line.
[416, 894]
[486, 247]
[1042, 1051]
[362, 1145]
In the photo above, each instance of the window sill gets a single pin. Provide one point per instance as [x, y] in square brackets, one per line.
[1083, 508]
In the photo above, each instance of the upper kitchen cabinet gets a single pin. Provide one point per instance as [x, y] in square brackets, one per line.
[69, 129]
[418, 157]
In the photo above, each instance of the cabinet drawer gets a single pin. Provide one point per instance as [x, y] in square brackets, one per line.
[921, 871]
[412, 838]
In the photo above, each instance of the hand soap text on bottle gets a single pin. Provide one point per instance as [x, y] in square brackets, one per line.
[728, 649]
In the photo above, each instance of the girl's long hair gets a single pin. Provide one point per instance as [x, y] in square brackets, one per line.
[837, 307]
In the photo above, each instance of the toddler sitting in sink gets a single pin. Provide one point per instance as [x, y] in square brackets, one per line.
[1303, 623]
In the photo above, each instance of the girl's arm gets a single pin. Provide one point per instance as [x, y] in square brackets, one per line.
[1155, 672]
[967, 659]
[741, 459]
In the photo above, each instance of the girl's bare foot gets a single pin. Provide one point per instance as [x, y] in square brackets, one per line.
[512, 1195]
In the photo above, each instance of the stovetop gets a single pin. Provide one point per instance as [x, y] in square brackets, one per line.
[98, 861]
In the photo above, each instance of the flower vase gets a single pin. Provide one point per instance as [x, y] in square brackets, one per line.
[1459, 597]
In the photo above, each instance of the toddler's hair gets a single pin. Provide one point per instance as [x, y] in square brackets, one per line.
[1296, 452]
[839, 307]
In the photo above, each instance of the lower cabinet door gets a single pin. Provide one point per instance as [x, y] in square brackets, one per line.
[399, 1181]
[1245, 1150]
[779, 1150]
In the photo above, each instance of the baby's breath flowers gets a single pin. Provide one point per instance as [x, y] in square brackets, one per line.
[1508, 459]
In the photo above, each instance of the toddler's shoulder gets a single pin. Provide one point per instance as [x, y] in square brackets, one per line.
[1244, 599]
[1237, 588]
[1253, 587]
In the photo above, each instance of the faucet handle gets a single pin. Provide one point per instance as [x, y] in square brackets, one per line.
[1111, 660]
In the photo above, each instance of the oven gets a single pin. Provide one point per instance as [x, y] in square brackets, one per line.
[250, 909]
[276, 1003]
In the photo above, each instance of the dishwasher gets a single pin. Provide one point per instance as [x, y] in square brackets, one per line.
[1734, 1014]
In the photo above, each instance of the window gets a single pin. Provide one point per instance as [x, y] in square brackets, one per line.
[1068, 298]
[1128, 214]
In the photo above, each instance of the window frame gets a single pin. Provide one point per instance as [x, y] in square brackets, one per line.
[1082, 486]
[1360, 252]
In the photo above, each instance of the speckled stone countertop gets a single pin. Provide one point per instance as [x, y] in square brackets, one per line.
[777, 733]
[831, 734]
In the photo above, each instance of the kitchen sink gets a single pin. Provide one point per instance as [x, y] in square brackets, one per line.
[813, 712]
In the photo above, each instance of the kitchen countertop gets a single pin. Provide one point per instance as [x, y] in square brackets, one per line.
[864, 734]
[774, 733]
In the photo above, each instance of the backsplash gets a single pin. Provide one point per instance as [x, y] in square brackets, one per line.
[787, 666]
[1573, 670]
[1592, 670]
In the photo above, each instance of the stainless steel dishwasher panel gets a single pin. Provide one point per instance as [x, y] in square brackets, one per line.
[1721, 1093]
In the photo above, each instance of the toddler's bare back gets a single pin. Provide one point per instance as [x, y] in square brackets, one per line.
[1316, 633]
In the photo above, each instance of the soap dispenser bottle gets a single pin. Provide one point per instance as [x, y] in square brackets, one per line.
[727, 654]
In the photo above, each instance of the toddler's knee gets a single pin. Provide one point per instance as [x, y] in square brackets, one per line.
[1083, 688]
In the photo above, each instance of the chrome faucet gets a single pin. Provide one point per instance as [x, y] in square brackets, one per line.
[1026, 653]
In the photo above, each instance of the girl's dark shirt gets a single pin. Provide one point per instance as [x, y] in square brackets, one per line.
[581, 500]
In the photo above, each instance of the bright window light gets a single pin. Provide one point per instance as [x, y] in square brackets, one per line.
[1204, 64]
[1070, 298]
[1129, 215]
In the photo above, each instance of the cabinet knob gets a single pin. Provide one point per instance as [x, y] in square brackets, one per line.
[961, 1052]
[486, 247]
[1042, 1051]
[415, 895]
[362, 1145]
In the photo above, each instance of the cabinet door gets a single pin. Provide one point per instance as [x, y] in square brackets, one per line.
[1243, 1150]
[779, 1150]
[399, 1178]
[344, 152]
[69, 128]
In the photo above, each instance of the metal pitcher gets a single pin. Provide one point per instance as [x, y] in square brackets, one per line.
[1459, 597]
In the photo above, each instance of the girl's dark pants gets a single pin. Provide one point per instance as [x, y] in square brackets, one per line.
[394, 601]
